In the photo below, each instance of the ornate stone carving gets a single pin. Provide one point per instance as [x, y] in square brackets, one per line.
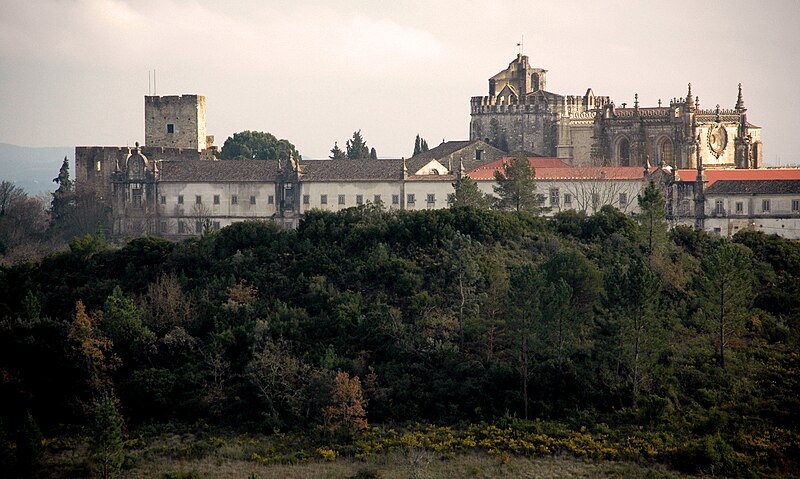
[717, 139]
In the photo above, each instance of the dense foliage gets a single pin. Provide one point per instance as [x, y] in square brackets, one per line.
[257, 145]
[446, 316]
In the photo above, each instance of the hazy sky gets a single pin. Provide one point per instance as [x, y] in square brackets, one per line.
[74, 72]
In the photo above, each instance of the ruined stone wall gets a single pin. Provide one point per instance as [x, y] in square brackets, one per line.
[94, 165]
[175, 121]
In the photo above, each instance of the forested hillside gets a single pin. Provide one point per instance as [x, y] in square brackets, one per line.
[675, 347]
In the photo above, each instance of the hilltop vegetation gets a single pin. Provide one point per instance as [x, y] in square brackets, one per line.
[447, 331]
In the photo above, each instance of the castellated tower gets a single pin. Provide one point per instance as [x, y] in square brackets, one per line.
[175, 122]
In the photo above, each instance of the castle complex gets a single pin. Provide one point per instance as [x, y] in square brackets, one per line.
[520, 115]
[586, 153]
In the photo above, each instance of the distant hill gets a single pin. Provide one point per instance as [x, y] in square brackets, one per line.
[33, 169]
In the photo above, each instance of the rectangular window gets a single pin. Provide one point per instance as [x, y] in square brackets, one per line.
[478, 155]
[216, 199]
[136, 197]
[180, 199]
[431, 198]
[540, 198]
[216, 226]
[170, 128]
[306, 199]
[181, 227]
[411, 199]
[234, 200]
[623, 200]
[765, 205]
[198, 226]
[739, 207]
[395, 199]
[567, 199]
[341, 199]
[359, 199]
[719, 207]
[163, 226]
[252, 200]
[163, 200]
[595, 200]
[377, 199]
[795, 205]
[323, 199]
[198, 200]
[270, 200]
[555, 196]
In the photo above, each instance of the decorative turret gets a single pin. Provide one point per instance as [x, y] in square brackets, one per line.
[689, 102]
[636, 101]
[740, 101]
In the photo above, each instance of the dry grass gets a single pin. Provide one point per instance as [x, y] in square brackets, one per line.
[179, 457]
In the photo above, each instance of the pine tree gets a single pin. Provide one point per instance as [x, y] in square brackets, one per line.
[516, 187]
[725, 287]
[467, 193]
[64, 197]
[373, 155]
[106, 439]
[337, 153]
[357, 148]
[652, 219]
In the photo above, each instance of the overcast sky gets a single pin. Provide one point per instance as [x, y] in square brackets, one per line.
[74, 72]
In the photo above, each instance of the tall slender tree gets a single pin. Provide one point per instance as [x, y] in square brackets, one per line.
[64, 197]
[652, 220]
[725, 287]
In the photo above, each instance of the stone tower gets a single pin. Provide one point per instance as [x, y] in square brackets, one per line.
[175, 122]
[518, 114]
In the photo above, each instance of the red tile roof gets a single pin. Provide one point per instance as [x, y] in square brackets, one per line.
[555, 169]
[765, 174]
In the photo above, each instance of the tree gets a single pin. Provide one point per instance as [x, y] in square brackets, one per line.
[516, 188]
[257, 145]
[8, 192]
[29, 447]
[420, 146]
[357, 148]
[106, 437]
[652, 219]
[93, 350]
[632, 325]
[467, 193]
[524, 316]
[63, 198]
[725, 287]
[347, 412]
[337, 153]
[373, 155]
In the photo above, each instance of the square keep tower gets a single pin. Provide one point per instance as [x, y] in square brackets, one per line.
[175, 121]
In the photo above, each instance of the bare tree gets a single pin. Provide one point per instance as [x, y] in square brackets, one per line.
[592, 188]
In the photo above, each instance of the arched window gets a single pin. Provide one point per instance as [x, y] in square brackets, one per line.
[624, 152]
[665, 152]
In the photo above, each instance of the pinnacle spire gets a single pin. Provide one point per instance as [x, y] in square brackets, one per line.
[740, 101]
